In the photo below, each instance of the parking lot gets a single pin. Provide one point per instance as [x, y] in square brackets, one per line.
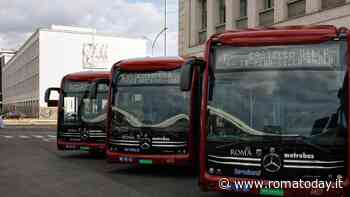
[31, 165]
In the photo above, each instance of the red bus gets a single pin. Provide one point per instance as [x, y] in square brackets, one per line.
[274, 111]
[149, 117]
[81, 118]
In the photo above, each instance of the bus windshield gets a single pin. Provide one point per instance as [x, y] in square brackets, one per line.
[94, 110]
[73, 91]
[282, 91]
[76, 102]
[150, 100]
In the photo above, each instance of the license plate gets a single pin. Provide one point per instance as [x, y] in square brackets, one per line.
[145, 161]
[84, 148]
[271, 192]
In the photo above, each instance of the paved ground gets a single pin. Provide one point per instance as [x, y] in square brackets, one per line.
[31, 166]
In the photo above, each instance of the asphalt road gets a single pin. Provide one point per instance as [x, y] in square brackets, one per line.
[30, 165]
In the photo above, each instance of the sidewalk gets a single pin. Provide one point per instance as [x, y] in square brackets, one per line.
[25, 122]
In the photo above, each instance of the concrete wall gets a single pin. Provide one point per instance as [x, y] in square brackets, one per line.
[5, 56]
[189, 20]
[62, 53]
[49, 54]
[21, 79]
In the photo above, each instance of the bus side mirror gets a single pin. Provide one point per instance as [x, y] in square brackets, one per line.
[187, 73]
[186, 77]
[51, 103]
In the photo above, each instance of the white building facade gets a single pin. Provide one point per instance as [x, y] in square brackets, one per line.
[198, 19]
[5, 56]
[51, 53]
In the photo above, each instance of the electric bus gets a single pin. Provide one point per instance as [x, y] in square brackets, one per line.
[81, 118]
[150, 120]
[275, 107]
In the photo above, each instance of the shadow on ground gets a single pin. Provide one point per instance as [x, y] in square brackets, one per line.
[154, 170]
[76, 155]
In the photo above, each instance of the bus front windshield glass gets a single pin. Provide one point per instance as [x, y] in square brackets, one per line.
[284, 91]
[94, 110]
[74, 91]
[150, 100]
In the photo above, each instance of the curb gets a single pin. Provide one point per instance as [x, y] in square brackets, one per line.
[30, 122]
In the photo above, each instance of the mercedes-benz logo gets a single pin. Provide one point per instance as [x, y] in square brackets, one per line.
[145, 146]
[145, 140]
[272, 162]
[84, 135]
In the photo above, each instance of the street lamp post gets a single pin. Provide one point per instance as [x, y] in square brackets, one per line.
[165, 26]
[156, 38]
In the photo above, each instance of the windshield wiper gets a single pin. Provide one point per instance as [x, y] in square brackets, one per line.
[241, 124]
[135, 122]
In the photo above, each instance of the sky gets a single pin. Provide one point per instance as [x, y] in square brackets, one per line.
[129, 18]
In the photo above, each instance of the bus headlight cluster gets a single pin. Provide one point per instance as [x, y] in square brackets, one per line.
[125, 159]
[211, 170]
[214, 171]
[113, 148]
[71, 147]
[182, 151]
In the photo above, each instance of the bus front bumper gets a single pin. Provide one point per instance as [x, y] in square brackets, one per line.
[64, 145]
[133, 158]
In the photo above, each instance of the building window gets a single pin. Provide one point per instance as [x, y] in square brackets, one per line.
[326, 4]
[203, 5]
[266, 16]
[268, 4]
[220, 27]
[243, 8]
[202, 34]
[222, 12]
[296, 8]
[242, 21]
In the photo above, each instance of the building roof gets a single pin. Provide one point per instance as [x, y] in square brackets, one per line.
[8, 51]
[65, 29]
[149, 64]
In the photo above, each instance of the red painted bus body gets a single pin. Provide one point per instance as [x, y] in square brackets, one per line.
[81, 119]
[149, 118]
[274, 108]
